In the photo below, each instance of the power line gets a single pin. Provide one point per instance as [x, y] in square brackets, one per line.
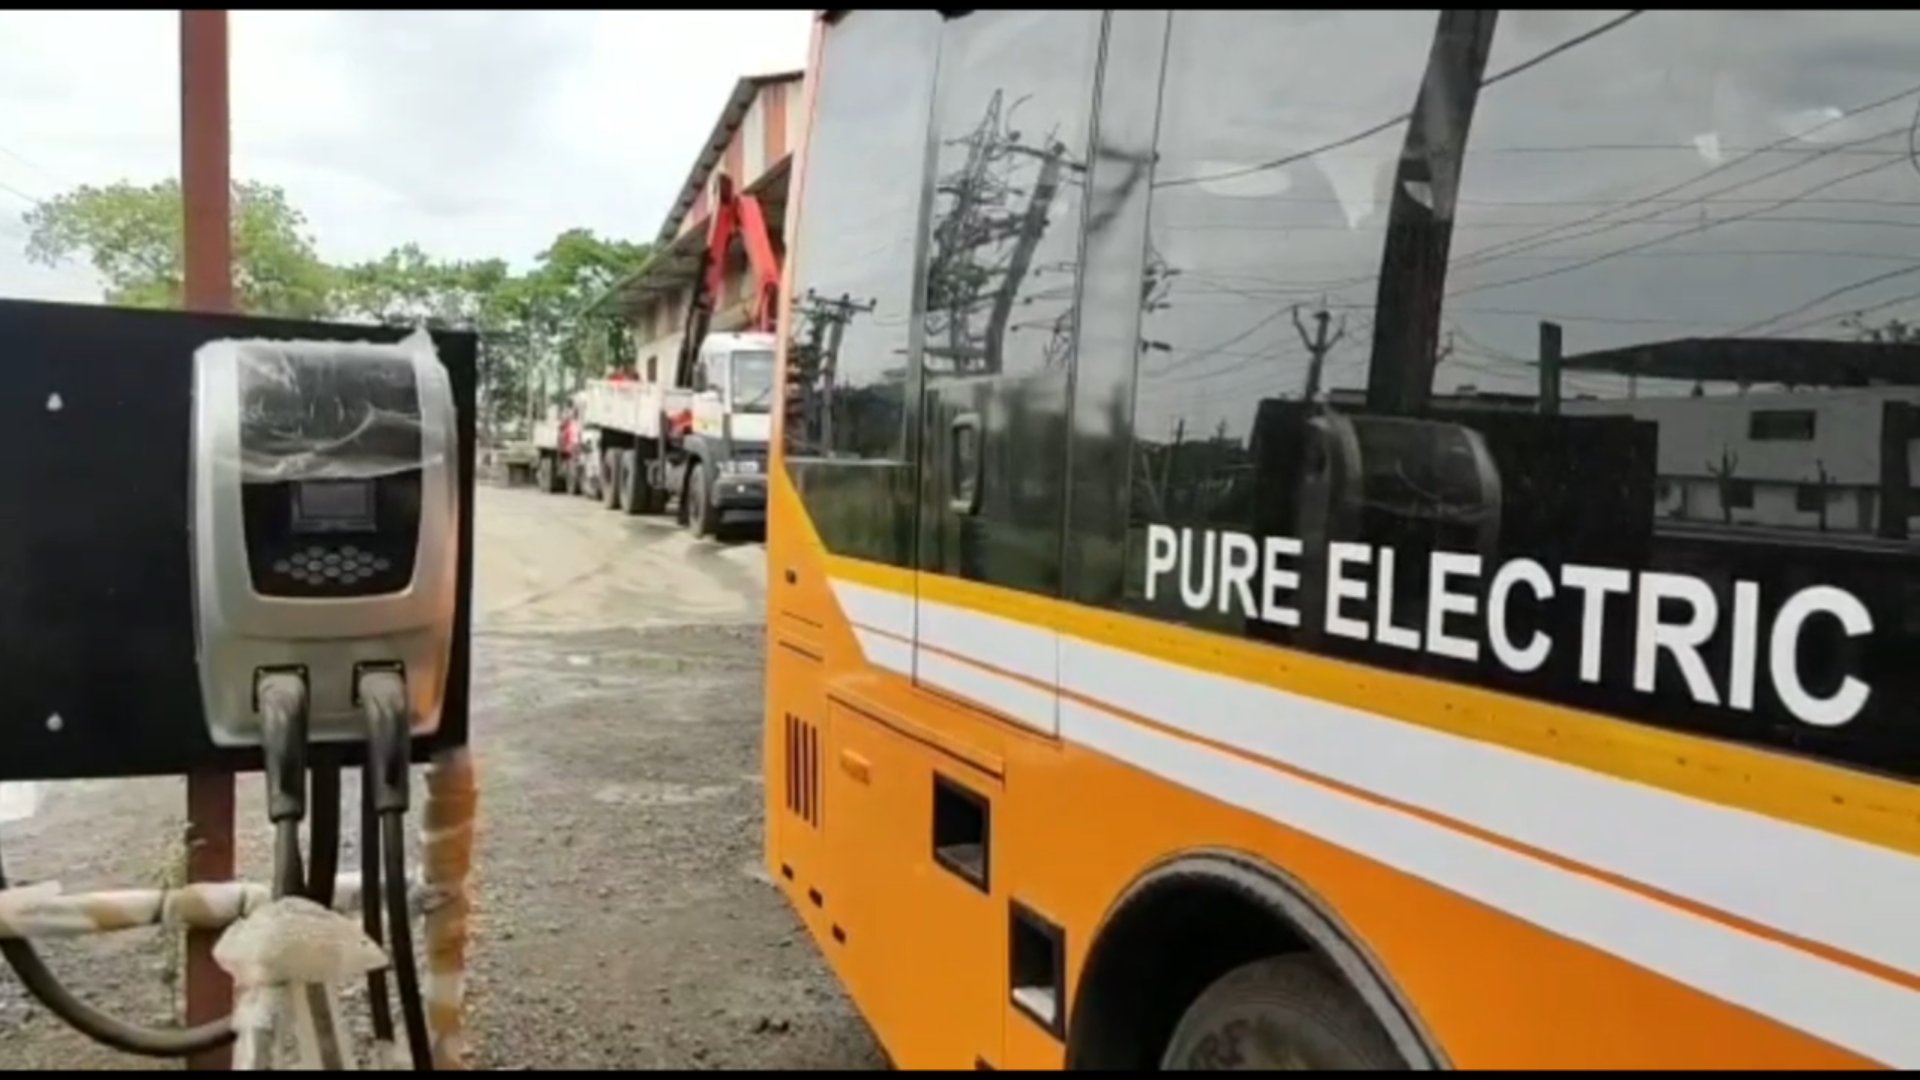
[1856, 313]
[1384, 125]
[30, 200]
[1823, 298]
[1735, 162]
[1689, 231]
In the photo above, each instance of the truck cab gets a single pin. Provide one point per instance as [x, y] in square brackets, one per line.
[733, 397]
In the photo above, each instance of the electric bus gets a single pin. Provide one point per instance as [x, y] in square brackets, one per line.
[1354, 539]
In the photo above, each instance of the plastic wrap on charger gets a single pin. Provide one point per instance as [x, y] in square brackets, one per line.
[292, 956]
[43, 911]
[446, 856]
[329, 410]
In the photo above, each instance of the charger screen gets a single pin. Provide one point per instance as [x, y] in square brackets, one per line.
[326, 506]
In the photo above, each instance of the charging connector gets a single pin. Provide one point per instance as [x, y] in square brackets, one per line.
[282, 697]
[382, 692]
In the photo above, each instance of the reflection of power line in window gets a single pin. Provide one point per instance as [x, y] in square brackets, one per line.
[1513, 247]
[1385, 125]
[1475, 256]
[1555, 235]
[1668, 238]
[1855, 313]
[1825, 297]
[1183, 373]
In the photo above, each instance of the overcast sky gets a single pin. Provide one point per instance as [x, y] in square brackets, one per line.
[473, 133]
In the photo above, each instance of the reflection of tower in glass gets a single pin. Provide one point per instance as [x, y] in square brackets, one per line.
[984, 239]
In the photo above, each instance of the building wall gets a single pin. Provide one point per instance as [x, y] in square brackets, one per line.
[1776, 473]
[765, 135]
[1695, 431]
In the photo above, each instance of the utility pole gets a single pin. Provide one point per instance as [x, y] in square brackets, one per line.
[1318, 346]
[826, 327]
[1033, 224]
[1550, 353]
[206, 190]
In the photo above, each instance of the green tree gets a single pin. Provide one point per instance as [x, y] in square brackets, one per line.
[535, 338]
[131, 236]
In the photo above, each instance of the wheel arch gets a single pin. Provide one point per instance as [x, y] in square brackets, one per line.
[1151, 957]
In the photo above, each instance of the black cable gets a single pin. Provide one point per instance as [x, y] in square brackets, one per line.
[288, 879]
[323, 835]
[412, 1005]
[370, 911]
[109, 1031]
[383, 695]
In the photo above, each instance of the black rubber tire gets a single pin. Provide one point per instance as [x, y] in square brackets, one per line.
[636, 495]
[610, 479]
[700, 514]
[1282, 1013]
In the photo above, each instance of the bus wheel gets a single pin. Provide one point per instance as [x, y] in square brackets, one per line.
[1284, 1013]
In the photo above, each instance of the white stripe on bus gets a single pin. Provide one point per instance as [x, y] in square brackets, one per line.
[1797, 880]
[1843, 1006]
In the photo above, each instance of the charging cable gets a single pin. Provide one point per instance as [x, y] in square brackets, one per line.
[54, 996]
[383, 700]
[283, 708]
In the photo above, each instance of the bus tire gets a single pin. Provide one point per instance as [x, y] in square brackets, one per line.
[1289, 1012]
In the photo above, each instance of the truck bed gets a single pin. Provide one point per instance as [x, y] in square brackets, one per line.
[632, 407]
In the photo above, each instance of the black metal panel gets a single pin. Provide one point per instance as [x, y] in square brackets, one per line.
[96, 597]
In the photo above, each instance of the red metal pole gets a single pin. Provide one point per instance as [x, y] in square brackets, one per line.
[208, 255]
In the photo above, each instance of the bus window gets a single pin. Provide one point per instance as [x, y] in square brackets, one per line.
[1667, 241]
[1652, 239]
[846, 430]
[1119, 174]
[1270, 201]
[1011, 119]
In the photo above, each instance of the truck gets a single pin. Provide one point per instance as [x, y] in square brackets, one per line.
[696, 440]
[642, 446]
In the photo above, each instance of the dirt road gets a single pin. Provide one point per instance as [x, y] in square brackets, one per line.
[623, 921]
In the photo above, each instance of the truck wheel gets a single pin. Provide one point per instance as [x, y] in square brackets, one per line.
[1281, 1013]
[610, 479]
[636, 495]
[700, 515]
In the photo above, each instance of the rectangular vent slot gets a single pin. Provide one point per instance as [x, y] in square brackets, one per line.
[962, 826]
[803, 771]
[1037, 966]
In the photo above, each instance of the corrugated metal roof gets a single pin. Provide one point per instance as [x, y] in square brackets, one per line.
[735, 112]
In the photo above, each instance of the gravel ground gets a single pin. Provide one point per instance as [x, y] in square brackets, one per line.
[623, 919]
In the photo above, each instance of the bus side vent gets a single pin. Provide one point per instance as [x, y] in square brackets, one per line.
[962, 832]
[1038, 966]
[803, 770]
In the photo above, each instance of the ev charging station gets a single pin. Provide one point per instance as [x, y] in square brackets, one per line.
[237, 544]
